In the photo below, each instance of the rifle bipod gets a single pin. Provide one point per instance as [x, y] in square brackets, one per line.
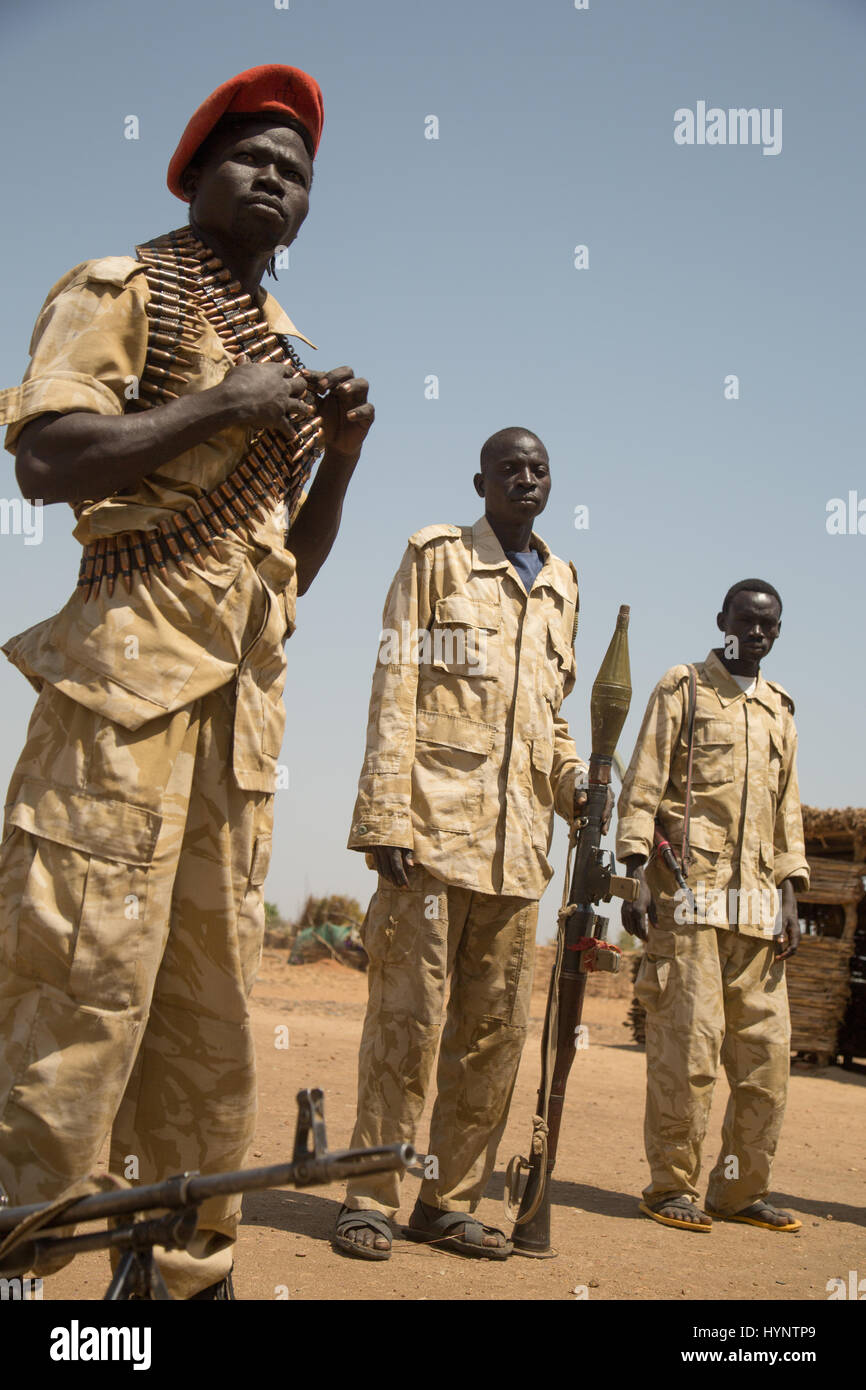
[137, 1275]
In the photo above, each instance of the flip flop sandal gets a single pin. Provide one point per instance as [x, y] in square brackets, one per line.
[757, 1207]
[356, 1221]
[433, 1229]
[682, 1202]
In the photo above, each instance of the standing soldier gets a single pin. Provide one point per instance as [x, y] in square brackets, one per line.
[467, 756]
[139, 817]
[714, 772]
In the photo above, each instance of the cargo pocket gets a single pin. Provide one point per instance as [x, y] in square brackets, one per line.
[16, 857]
[451, 755]
[713, 759]
[711, 865]
[251, 918]
[557, 667]
[180, 623]
[652, 981]
[542, 756]
[261, 860]
[464, 640]
[259, 725]
[541, 759]
[82, 908]
[273, 723]
[706, 843]
[767, 899]
[390, 930]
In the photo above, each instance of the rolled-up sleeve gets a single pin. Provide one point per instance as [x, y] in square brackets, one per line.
[88, 347]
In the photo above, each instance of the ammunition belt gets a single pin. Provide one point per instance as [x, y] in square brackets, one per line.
[186, 280]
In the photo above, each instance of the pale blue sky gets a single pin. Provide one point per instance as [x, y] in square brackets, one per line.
[455, 257]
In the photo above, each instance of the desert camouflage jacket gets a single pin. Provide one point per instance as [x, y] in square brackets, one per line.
[134, 657]
[746, 828]
[467, 753]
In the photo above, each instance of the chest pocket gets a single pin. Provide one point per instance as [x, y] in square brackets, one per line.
[464, 639]
[713, 753]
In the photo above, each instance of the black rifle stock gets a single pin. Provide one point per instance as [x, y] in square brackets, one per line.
[25, 1240]
[581, 947]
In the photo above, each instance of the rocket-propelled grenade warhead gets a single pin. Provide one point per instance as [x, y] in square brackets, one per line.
[611, 692]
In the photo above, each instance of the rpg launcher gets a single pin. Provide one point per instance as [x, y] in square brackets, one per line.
[29, 1234]
[581, 948]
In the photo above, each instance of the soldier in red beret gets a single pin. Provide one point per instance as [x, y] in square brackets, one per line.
[165, 403]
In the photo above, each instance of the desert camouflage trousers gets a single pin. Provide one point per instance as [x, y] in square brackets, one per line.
[710, 993]
[131, 926]
[416, 938]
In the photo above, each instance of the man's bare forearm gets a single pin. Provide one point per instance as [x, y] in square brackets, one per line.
[82, 456]
[315, 530]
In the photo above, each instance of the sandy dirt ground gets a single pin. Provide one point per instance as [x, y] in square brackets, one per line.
[607, 1250]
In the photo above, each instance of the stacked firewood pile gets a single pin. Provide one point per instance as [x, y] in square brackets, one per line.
[852, 1035]
[826, 1001]
[818, 986]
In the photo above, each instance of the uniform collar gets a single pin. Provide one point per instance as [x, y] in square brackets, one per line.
[277, 318]
[487, 554]
[728, 690]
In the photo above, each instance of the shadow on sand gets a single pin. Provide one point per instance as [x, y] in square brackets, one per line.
[309, 1214]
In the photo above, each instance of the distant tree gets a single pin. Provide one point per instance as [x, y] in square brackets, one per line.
[336, 908]
[278, 932]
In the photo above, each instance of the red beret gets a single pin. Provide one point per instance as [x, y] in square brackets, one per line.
[272, 87]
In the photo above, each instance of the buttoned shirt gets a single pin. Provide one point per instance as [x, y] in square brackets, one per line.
[134, 657]
[746, 827]
[467, 753]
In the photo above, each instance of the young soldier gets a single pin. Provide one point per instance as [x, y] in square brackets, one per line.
[713, 979]
[466, 758]
[139, 817]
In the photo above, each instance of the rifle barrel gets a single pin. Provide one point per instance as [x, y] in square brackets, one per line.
[190, 1190]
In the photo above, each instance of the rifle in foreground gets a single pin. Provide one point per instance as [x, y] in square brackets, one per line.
[581, 948]
[26, 1240]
